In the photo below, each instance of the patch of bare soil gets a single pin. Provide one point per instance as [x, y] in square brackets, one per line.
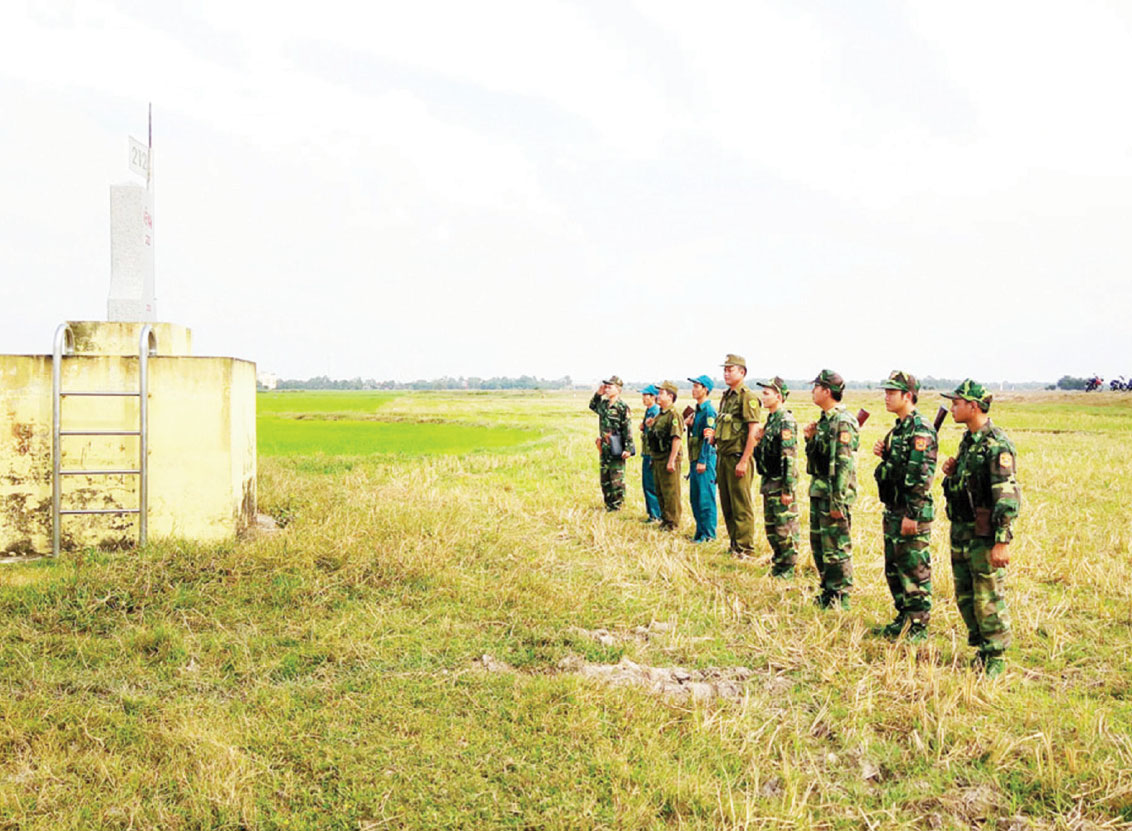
[696, 684]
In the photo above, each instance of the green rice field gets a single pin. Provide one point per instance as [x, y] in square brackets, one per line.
[428, 641]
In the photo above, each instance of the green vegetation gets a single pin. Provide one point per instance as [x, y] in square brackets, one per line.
[310, 426]
[329, 675]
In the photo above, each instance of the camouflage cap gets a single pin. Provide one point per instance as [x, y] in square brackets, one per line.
[971, 390]
[777, 384]
[614, 379]
[703, 380]
[669, 386]
[829, 378]
[649, 390]
[735, 360]
[902, 381]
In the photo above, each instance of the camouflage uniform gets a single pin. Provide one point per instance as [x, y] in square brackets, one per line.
[613, 420]
[737, 409]
[648, 480]
[983, 498]
[904, 480]
[776, 461]
[833, 486]
[668, 425]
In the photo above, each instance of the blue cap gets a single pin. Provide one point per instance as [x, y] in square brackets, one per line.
[650, 390]
[703, 379]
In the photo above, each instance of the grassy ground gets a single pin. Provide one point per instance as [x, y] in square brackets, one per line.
[327, 676]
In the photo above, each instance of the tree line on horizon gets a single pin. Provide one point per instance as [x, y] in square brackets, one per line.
[523, 382]
[531, 382]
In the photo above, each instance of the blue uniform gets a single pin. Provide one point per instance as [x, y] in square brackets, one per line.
[702, 485]
[648, 481]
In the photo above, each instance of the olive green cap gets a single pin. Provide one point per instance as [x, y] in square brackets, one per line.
[735, 360]
[829, 378]
[902, 381]
[778, 385]
[668, 385]
[613, 379]
[971, 390]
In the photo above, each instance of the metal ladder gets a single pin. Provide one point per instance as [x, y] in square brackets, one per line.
[64, 346]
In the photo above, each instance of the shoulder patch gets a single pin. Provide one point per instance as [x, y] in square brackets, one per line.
[845, 437]
[711, 421]
[787, 433]
[1005, 461]
[921, 443]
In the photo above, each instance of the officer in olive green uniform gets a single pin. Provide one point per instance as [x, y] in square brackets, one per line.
[734, 439]
[775, 458]
[830, 444]
[614, 441]
[904, 483]
[665, 446]
[983, 500]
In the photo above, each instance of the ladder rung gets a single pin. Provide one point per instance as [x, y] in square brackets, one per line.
[102, 511]
[99, 472]
[106, 394]
[100, 432]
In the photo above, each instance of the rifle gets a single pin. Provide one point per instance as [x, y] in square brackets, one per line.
[940, 415]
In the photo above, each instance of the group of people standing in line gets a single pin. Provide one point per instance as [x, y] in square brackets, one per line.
[979, 485]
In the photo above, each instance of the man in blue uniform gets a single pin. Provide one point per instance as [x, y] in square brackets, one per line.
[701, 456]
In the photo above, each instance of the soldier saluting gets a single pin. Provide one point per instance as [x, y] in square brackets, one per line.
[614, 441]
[982, 501]
[904, 480]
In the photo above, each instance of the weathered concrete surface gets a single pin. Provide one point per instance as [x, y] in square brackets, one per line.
[99, 337]
[202, 445]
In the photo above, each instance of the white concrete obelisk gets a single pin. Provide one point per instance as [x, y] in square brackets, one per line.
[131, 240]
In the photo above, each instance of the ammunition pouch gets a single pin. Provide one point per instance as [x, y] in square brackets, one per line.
[660, 441]
[983, 527]
[768, 463]
[960, 505]
[886, 484]
[817, 459]
[725, 428]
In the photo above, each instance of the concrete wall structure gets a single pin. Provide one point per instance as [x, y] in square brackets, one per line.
[202, 442]
[131, 254]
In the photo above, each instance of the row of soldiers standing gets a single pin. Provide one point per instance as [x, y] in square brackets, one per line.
[979, 485]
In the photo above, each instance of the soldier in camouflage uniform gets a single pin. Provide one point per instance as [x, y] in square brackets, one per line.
[982, 501]
[665, 447]
[614, 442]
[904, 480]
[830, 444]
[775, 459]
[734, 440]
[648, 481]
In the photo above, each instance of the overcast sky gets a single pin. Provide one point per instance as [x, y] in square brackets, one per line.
[412, 189]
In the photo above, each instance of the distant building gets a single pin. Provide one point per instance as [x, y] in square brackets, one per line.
[266, 380]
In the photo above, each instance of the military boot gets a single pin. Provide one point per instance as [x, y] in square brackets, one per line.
[917, 633]
[993, 666]
[889, 630]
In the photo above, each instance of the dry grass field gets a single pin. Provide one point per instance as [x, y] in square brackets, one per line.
[430, 641]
